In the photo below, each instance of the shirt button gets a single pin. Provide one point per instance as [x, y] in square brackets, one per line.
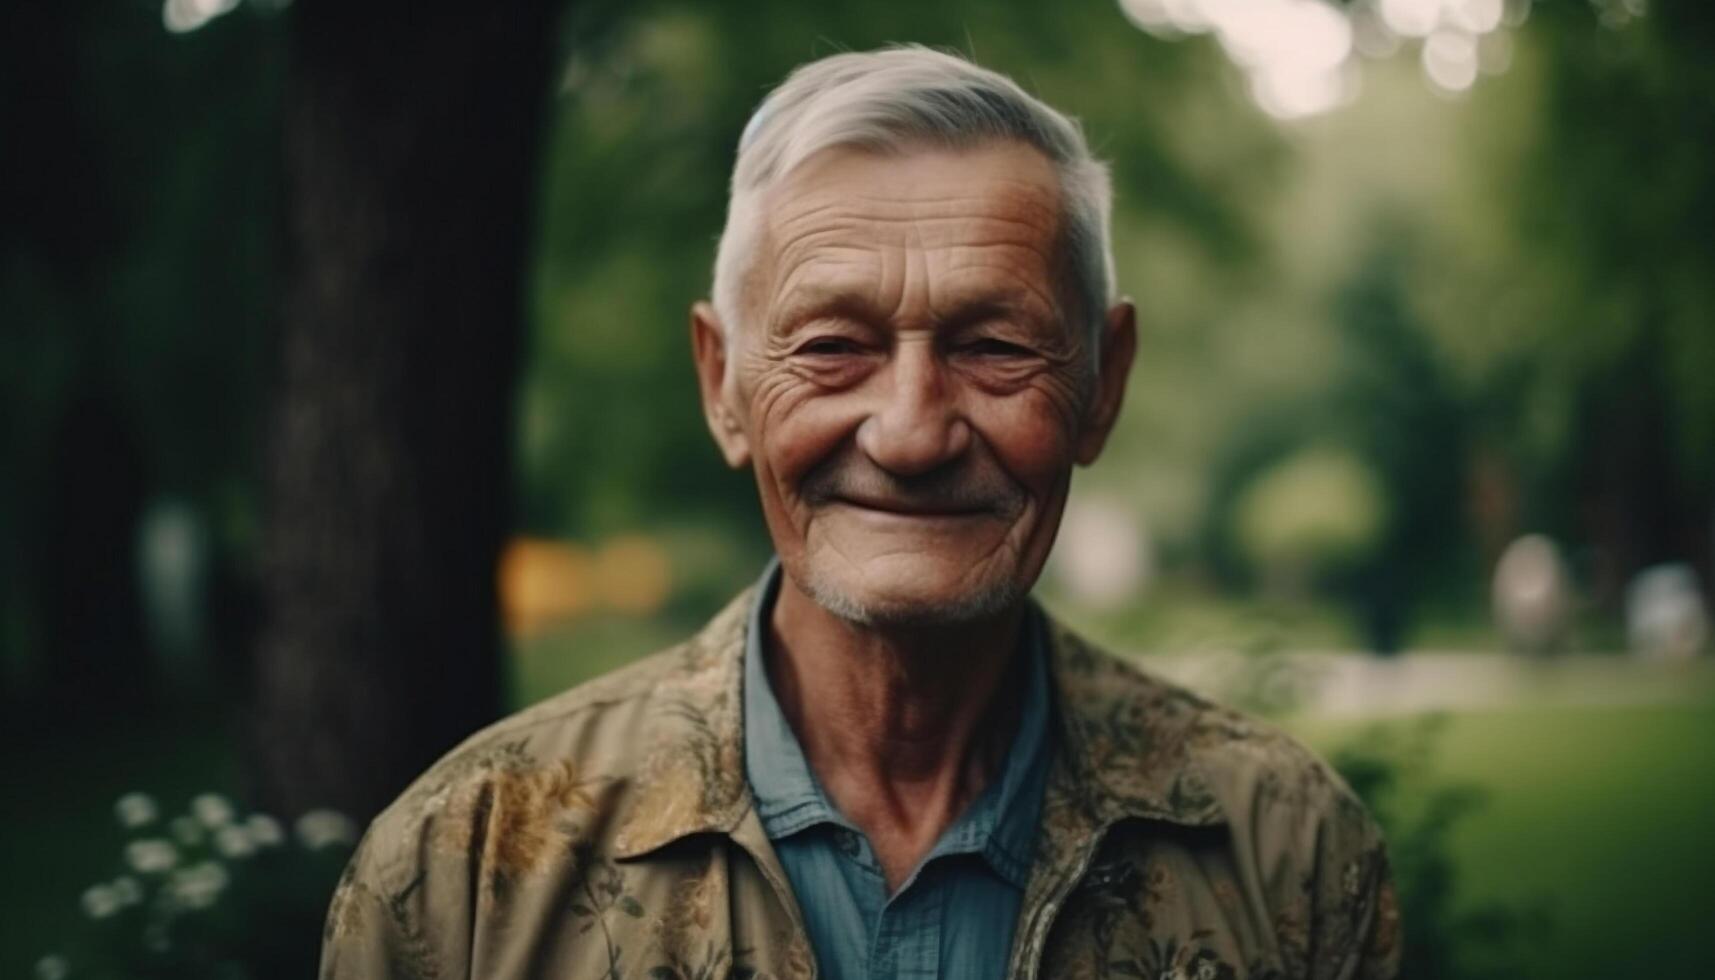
[847, 842]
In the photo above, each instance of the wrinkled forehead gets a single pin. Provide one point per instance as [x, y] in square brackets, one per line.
[994, 207]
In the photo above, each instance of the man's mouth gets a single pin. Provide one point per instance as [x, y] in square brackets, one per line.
[914, 508]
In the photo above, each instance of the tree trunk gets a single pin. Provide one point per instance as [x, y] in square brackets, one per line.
[411, 140]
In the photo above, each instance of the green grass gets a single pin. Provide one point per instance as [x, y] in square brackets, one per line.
[1604, 815]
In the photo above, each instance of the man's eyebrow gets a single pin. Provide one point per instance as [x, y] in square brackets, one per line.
[817, 303]
[983, 311]
[1009, 304]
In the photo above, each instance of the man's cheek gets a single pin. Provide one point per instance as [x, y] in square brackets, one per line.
[803, 432]
[1033, 440]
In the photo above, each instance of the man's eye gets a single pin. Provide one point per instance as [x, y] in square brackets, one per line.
[828, 346]
[990, 347]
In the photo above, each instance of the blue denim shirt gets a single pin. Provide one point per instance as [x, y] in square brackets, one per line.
[955, 913]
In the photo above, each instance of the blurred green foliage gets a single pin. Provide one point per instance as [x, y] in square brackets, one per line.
[137, 260]
[208, 894]
[1446, 935]
[1317, 509]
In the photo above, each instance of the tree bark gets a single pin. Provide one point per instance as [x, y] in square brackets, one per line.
[411, 139]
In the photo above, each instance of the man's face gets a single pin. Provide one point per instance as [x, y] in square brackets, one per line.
[910, 388]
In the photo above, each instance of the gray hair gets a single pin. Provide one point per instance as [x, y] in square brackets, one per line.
[898, 98]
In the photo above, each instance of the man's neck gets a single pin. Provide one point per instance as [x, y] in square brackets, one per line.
[903, 727]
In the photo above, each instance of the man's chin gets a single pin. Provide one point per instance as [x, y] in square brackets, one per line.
[888, 609]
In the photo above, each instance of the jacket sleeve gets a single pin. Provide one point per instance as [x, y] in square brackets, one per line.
[382, 924]
[360, 938]
[1357, 925]
[1379, 958]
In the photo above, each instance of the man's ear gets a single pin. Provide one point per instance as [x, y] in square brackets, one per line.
[709, 349]
[1119, 346]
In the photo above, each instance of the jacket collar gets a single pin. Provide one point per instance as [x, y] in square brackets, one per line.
[1126, 740]
[1122, 752]
[692, 778]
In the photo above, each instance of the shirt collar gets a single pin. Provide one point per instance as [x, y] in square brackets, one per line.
[788, 799]
[1000, 825]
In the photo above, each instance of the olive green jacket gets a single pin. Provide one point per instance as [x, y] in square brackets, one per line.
[609, 832]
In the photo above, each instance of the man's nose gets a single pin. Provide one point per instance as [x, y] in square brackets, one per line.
[916, 426]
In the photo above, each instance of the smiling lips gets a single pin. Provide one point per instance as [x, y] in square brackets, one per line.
[973, 486]
[917, 509]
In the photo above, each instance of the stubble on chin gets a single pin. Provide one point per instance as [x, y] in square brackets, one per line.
[988, 600]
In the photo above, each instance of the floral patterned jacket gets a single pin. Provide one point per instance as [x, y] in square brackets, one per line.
[609, 833]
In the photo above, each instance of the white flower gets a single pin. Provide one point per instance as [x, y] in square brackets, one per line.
[233, 841]
[99, 902]
[136, 809]
[127, 890]
[212, 810]
[188, 831]
[264, 830]
[197, 887]
[319, 828]
[151, 855]
[52, 967]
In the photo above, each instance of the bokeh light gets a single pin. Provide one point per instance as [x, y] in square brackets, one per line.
[183, 16]
[1301, 58]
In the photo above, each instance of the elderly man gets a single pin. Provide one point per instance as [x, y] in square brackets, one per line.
[884, 760]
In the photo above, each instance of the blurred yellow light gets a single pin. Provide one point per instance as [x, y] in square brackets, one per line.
[542, 582]
[633, 574]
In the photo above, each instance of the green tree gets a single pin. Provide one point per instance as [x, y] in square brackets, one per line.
[1612, 205]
